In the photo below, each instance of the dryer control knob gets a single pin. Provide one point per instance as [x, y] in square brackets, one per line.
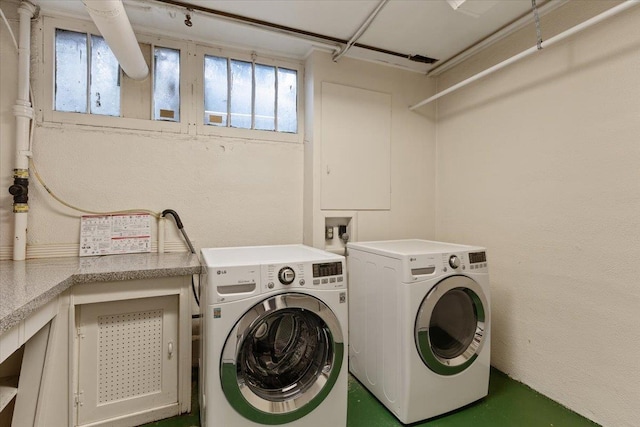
[286, 275]
[454, 261]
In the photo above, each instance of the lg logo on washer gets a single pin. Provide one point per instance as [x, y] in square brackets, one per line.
[219, 272]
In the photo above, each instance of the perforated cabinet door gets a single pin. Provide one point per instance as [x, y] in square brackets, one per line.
[127, 357]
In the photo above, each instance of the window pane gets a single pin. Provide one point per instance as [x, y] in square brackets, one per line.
[265, 108]
[241, 94]
[105, 82]
[166, 84]
[215, 91]
[71, 71]
[287, 100]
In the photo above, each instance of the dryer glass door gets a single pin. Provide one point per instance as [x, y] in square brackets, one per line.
[282, 358]
[451, 324]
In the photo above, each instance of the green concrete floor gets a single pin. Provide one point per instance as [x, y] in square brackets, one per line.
[509, 404]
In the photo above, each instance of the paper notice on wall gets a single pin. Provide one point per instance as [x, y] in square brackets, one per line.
[115, 234]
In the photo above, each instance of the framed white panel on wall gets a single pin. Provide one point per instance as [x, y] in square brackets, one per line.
[356, 148]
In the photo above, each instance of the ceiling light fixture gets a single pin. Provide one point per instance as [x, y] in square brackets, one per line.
[455, 4]
[474, 8]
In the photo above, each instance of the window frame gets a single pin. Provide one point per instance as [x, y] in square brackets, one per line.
[47, 103]
[227, 131]
[191, 87]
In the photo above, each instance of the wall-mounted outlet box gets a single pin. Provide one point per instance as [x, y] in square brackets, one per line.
[340, 227]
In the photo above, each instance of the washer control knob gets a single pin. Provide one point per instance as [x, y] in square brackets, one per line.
[454, 261]
[270, 285]
[286, 275]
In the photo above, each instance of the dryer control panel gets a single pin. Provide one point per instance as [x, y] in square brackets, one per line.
[423, 266]
[464, 262]
[477, 260]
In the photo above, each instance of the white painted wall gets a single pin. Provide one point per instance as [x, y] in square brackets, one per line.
[228, 192]
[412, 158]
[540, 163]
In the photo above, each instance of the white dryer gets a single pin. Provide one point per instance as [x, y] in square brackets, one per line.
[419, 324]
[274, 336]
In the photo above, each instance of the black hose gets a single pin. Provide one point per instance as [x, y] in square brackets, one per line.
[176, 217]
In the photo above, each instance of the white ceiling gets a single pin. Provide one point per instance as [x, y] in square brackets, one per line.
[430, 28]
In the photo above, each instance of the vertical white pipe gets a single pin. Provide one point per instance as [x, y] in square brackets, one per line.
[161, 236]
[24, 114]
[360, 31]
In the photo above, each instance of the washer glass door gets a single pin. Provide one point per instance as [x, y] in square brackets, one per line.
[451, 324]
[282, 358]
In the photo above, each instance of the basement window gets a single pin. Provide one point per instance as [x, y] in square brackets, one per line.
[248, 95]
[166, 84]
[88, 80]
[87, 75]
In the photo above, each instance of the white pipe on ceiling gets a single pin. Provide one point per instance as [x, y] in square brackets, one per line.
[113, 23]
[545, 8]
[360, 31]
[24, 114]
[555, 39]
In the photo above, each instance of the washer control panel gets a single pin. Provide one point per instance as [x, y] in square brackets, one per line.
[286, 275]
[327, 273]
[319, 275]
[454, 261]
[232, 274]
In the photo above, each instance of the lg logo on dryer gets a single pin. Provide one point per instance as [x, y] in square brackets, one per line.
[221, 272]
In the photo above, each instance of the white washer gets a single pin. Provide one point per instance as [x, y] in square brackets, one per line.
[274, 336]
[419, 323]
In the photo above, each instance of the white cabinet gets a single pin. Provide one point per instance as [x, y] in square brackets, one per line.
[131, 351]
[127, 357]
